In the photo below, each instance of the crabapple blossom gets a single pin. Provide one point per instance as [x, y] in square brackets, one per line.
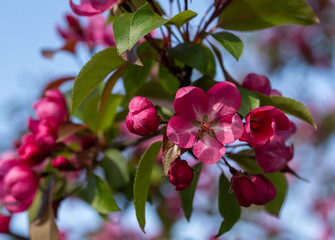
[209, 117]
[180, 174]
[52, 107]
[30, 153]
[262, 124]
[4, 223]
[91, 7]
[21, 182]
[252, 189]
[142, 118]
[45, 132]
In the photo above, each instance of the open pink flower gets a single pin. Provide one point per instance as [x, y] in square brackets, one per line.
[262, 124]
[209, 117]
[91, 7]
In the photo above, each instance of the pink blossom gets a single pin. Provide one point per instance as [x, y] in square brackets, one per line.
[30, 153]
[4, 223]
[62, 163]
[21, 183]
[180, 174]
[96, 32]
[52, 107]
[91, 7]
[142, 118]
[45, 132]
[274, 156]
[259, 83]
[262, 124]
[209, 117]
[252, 189]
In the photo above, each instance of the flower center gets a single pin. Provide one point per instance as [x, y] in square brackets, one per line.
[254, 124]
[205, 127]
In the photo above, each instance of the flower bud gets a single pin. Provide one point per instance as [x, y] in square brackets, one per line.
[252, 189]
[62, 163]
[244, 189]
[4, 223]
[15, 206]
[265, 190]
[30, 153]
[142, 118]
[21, 182]
[180, 174]
[52, 107]
[258, 83]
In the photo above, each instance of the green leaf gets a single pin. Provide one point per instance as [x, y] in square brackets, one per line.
[168, 80]
[250, 101]
[211, 68]
[279, 181]
[205, 83]
[289, 106]
[108, 113]
[245, 15]
[100, 195]
[130, 28]
[35, 208]
[181, 18]
[247, 162]
[191, 54]
[142, 181]
[187, 195]
[228, 206]
[146, 90]
[230, 42]
[135, 76]
[116, 168]
[90, 113]
[94, 71]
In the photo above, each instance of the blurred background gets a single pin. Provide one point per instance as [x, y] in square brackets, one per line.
[299, 61]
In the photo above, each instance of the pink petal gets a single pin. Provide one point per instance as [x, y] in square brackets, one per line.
[103, 5]
[274, 155]
[191, 103]
[208, 150]
[224, 99]
[182, 132]
[85, 8]
[229, 129]
[281, 120]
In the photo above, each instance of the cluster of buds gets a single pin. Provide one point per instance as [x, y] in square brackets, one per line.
[20, 170]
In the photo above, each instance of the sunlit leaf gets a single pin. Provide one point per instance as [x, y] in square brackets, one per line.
[142, 181]
[245, 15]
[187, 195]
[228, 206]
